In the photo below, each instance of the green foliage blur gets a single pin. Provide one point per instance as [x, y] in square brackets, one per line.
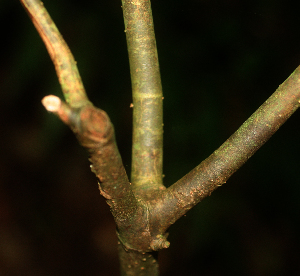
[220, 60]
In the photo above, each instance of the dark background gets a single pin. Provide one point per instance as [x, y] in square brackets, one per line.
[220, 60]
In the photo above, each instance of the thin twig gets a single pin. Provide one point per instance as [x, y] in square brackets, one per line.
[91, 125]
[147, 153]
[220, 165]
[65, 64]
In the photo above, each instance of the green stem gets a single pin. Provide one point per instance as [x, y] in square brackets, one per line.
[147, 95]
[221, 164]
[64, 62]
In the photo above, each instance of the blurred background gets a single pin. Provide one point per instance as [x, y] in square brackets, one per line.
[220, 60]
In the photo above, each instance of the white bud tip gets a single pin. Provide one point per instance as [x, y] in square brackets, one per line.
[51, 103]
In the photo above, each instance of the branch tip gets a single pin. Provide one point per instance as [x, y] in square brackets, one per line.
[51, 103]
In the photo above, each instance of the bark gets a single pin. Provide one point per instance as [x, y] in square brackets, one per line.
[147, 95]
[136, 263]
[220, 165]
[144, 210]
[63, 60]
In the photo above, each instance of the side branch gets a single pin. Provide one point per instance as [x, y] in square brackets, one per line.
[95, 132]
[147, 95]
[64, 62]
[90, 124]
[219, 166]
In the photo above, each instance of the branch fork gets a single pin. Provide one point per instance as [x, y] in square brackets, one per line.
[145, 209]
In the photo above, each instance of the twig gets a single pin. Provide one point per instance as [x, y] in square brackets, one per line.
[147, 153]
[64, 62]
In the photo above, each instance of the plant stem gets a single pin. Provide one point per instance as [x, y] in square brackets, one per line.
[147, 149]
[91, 125]
[64, 62]
[229, 157]
[135, 263]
